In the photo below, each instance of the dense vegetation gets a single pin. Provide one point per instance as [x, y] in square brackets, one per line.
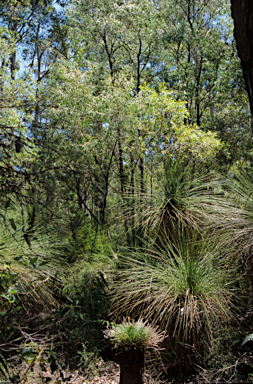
[126, 192]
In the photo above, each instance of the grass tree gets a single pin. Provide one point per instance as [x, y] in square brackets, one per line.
[183, 195]
[233, 219]
[130, 340]
[29, 261]
[184, 287]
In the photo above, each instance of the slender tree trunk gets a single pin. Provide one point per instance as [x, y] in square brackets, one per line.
[242, 13]
[121, 166]
[133, 199]
[197, 92]
[13, 64]
[106, 177]
[37, 108]
[2, 77]
[122, 180]
[141, 164]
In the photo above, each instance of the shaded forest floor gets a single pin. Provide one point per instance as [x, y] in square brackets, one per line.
[104, 373]
[108, 372]
[229, 362]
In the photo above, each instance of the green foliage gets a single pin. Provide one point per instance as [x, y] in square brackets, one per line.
[200, 144]
[184, 287]
[233, 218]
[131, 334]
[88, 359]
[124, 34]
[85, 287]
[145, 121]
[25, 256]
[85, 282]
[183, 192]
[90, 244]
[247, 338]
[111, 114]
[86, 307]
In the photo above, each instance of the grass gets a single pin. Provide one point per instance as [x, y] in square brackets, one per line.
[236, 220]
[184, 287]
[186, 194]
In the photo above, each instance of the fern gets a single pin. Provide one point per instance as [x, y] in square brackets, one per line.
[247, 338]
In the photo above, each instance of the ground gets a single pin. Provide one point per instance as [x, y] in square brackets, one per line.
[105, 373]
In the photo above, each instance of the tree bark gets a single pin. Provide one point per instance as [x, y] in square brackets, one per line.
[242, 13]
[131, 366]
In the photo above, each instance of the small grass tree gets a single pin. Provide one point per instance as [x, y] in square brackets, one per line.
[130, 339]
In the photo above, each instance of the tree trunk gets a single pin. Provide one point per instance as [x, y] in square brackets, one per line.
[242, 13]
[131, 366]
[132, 190]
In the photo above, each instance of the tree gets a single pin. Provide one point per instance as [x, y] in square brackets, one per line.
[242, 12]
[93, 171]
[199, 62]
[185, 288]
[16, 96]
[130, 340]
[123, 34]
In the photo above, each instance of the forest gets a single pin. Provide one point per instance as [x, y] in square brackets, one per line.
[126, 191]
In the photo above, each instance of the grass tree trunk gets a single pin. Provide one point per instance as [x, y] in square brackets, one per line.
[131, 366]
[130, 340]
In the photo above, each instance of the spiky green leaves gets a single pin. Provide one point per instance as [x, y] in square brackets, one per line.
[131, 334]
[233, 217]
[184, 196]
[184, 287]
[29, 260]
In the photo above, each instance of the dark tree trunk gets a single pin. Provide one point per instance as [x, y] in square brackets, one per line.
[132, 190]
[131, 366]
[242, 13]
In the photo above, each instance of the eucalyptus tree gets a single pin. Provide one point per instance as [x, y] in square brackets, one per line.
[117, 34]
[200, 63]
[16, 95]
[242, 14]
[30, 30]
[197, 39]
[84, 125]
[32, 38]
[188, 44]
[38, 34]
